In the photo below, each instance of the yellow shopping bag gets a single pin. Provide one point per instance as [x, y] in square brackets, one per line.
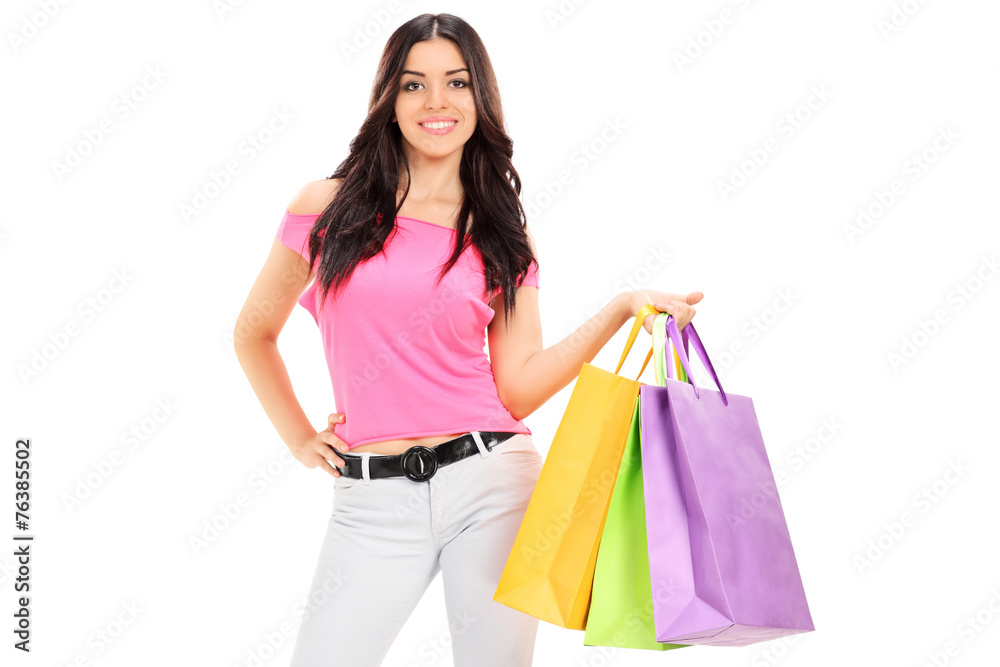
[550, 570]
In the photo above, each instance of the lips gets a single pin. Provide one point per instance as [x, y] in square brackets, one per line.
[438, 130]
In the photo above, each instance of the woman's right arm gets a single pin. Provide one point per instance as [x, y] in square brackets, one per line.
[273, 296]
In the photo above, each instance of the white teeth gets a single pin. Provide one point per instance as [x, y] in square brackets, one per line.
[438, 125]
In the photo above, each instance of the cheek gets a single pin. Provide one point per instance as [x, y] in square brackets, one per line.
[405, 108]
[467, 105]
[469, 112]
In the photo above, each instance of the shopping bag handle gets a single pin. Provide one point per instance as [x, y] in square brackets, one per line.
[660, 344]
[649, 355]
[681, 350]
[648, 309]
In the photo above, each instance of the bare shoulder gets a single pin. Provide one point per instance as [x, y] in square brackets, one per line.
[314, 196]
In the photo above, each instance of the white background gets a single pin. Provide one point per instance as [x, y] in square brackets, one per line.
[822, 356]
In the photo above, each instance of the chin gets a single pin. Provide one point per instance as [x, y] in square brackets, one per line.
[444, 153]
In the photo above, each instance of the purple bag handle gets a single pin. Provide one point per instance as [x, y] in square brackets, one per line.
[673, 335]
[668, 342]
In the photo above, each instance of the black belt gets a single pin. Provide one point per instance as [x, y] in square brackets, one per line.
[419, 463]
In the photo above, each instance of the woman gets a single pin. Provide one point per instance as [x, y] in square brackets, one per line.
[433, 467]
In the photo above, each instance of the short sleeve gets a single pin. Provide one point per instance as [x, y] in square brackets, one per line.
[293, 231]
[531, 277]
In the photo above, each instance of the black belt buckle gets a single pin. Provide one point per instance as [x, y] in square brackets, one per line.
[419, 463]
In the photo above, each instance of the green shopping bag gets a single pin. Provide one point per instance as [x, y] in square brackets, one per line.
[621, 602]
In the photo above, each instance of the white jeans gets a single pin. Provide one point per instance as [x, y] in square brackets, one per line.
[387, 538]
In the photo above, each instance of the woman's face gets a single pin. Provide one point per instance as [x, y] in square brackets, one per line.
[435, 83]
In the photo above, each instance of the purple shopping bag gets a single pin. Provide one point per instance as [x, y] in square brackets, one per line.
[720, 556]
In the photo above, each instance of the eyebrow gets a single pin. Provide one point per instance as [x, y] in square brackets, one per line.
[448, 73]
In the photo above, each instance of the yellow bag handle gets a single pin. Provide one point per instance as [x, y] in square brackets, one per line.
[648, 309]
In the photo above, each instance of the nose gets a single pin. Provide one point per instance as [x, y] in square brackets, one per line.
[436, 97]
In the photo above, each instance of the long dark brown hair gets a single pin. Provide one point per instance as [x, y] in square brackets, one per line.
[363, 212]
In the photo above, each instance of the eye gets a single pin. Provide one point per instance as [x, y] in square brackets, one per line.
[464, 84]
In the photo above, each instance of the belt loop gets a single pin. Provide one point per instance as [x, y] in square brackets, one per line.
[366, 474]
[479, 443]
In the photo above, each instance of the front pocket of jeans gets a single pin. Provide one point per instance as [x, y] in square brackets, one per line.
[518, 453]
[344, 485]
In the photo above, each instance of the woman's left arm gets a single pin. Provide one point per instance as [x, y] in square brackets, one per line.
[527, 375]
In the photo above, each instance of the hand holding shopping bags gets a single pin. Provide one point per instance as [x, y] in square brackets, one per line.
[649, 486]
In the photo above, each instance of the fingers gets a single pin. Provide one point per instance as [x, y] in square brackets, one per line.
[329, 437]
[333, 442]
[687, 314]
[314, 451]
[679, 310]
[327, 466]
[694, 297]
[334, 419]
[339, 462]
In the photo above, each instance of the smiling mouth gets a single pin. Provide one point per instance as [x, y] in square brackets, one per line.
[438, 124]
[438, 128]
